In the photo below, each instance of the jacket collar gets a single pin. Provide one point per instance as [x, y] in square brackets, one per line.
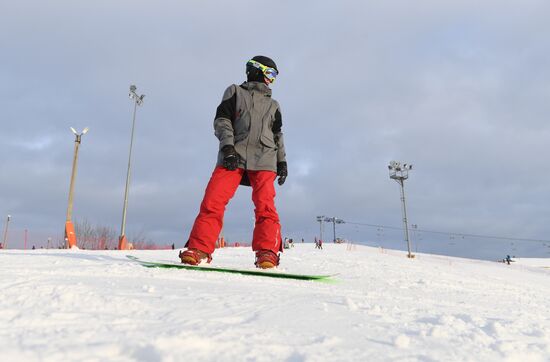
[257, 86]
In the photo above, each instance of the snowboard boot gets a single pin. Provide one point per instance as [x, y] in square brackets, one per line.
[194, 257]
[266, 259]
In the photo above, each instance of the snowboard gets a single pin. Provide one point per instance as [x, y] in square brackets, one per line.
[259, 273]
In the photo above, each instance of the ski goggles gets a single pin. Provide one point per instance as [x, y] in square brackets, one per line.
[269, 73]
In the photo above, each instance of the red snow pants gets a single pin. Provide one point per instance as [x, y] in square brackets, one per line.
[220, 189]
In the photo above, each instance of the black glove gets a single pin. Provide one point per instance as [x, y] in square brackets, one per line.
[282, 172]
[230, 158]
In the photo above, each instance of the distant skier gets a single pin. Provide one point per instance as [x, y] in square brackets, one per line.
[318, 243]
[251, 152]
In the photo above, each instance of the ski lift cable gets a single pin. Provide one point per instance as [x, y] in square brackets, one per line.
[450, 233]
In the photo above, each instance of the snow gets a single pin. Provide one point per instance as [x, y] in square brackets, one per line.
[78, 305]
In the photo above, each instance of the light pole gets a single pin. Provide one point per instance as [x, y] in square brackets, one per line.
[400, 173]
[5, 239]
[334, 221]
[320, 219]
[70, 236]
[138, 101]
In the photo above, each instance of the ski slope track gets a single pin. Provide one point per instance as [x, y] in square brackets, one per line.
[76, 305]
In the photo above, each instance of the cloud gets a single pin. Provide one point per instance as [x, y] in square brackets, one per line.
[458, 88]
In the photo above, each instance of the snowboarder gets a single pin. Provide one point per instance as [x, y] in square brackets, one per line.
[251, 152]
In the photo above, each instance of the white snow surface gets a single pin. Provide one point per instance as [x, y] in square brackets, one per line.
[78, 305]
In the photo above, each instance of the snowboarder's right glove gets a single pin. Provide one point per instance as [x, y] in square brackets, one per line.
[282, 172]
[230, 158]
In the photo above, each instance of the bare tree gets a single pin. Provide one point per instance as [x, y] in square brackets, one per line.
[94, 237]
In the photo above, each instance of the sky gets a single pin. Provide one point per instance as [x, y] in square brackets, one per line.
[459, 89]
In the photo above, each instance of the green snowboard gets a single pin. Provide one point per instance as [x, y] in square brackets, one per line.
[269, 274]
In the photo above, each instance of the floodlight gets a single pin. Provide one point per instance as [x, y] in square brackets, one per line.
[138, 101]
[400, 173]
[85, 130]
[74, 131]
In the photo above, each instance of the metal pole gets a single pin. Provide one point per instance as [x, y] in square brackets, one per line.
[5, 240]
[123, 226]
[70, 236]
[73, 175]
[334, 229]
[406, 228]
[320, 219]
[138, 101]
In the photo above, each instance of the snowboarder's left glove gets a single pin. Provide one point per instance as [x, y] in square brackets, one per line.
[282, 172]
[230, 158]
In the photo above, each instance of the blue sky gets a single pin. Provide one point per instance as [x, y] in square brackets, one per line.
[460, 89]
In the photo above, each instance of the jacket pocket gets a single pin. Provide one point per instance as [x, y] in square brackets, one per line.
[267, 141]
[267, 136]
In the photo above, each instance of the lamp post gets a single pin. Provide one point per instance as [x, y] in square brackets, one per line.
[334, 221]
[138, 101]
[5, 239]
[70, 236]
[400, 172]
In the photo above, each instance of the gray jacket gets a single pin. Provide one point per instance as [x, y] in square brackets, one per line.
[249, 119]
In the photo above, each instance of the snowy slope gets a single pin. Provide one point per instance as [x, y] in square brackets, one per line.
[63, 305]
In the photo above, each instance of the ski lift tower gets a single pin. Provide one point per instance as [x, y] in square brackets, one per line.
[320, 219]
[334, 221]
[400, 172]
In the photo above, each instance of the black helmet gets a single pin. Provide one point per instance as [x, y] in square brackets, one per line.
[254, 74]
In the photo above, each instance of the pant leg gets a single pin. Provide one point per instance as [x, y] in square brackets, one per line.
[267, 230]
[208, 224]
